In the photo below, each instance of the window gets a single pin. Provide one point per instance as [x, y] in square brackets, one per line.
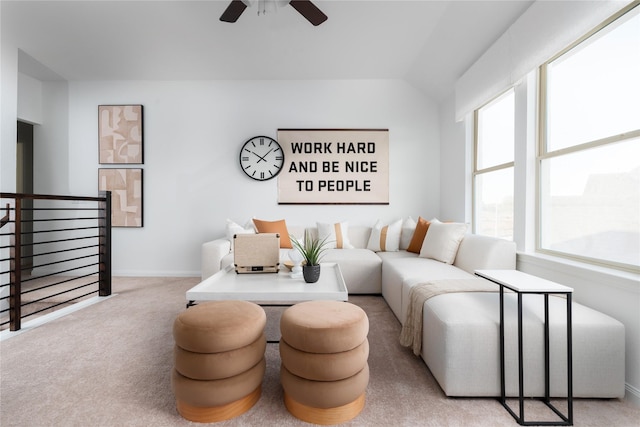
[493, 171]
[589, 157]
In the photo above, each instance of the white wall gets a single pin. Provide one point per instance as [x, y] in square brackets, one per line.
[8, 113]
[29, 99]
[455, 185]
[192, 135]
[51, 136]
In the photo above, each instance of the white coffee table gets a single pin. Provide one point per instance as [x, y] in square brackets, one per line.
[270, 288]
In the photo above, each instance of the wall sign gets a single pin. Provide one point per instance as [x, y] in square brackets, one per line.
[334, 166]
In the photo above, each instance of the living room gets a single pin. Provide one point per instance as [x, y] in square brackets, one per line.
[194, 127]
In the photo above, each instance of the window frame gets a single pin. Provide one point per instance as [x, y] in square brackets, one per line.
[543, 154]
[478, 172]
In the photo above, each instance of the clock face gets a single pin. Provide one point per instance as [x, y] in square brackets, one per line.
[261, 158]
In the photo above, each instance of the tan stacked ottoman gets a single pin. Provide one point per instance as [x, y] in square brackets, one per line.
[219, 359]
[324, 351]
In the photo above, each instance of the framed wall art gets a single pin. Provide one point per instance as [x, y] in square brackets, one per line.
[120, 134]
[334, 166]
[126, 195]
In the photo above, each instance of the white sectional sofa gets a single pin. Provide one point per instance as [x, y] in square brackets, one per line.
[460, 331]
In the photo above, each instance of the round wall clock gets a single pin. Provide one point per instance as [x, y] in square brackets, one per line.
[261, 158]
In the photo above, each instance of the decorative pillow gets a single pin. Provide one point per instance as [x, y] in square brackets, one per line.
[418, 235]
[442, 241]
[275, 227]
[408, 228]
[232, 229]
[385, 238]
[337, 235]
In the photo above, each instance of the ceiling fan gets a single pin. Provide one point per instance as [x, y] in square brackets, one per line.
[304, 7]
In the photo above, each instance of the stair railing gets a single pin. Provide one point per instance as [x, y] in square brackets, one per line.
[52, 247]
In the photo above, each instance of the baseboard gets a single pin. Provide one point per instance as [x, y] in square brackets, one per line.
[632, 394]
[45, 318]
[154, 273]
[122, 273]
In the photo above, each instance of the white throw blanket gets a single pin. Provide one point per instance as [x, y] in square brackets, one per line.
[411, 335]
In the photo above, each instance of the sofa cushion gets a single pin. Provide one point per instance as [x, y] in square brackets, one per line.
[400, 273]
[385, 237]
[232, 228]
[477, 252]
[359, 235]
[336, 235]
[408, 229]
[442, 241]
[361, 269]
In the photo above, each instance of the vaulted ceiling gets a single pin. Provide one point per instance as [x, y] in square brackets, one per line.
[427, 43]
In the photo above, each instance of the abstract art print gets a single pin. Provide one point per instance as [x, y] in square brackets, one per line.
[126, 195]
[120, 134]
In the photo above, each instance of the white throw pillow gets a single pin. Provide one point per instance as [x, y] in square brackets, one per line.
[442, 241]
[337, 235]
[233, 228]
[385, 238]
[408, 228]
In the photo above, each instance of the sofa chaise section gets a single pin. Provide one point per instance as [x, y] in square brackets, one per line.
[461, 346]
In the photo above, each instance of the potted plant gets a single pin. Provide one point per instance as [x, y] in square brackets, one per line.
[312, 250]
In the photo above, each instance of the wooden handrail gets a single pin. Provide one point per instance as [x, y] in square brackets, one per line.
[5, 219]
[49, 197]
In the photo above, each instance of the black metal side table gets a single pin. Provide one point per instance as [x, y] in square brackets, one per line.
[523, 283]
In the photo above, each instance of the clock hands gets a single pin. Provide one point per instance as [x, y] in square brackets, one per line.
[266, 154]
[261, 158]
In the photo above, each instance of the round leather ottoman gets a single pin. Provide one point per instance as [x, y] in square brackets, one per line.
[324, 351]
[218, 359]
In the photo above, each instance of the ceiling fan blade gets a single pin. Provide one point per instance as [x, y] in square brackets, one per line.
[309, 11]
[233, 11]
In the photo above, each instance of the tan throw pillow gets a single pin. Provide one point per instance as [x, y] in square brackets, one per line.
[418, 236]
[385, 238]
[279, 227]
[336, 235]
[442, 241]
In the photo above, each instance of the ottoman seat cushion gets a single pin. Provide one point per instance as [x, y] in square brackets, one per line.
[324, 326]
[218, 326]
[212, 393]
[324, 366]
[324, 394]
[215, 366]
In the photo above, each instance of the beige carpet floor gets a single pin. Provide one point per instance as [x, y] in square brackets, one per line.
[109, 365]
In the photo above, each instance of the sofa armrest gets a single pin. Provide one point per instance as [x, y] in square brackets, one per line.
[477, 252]
[212, 254]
